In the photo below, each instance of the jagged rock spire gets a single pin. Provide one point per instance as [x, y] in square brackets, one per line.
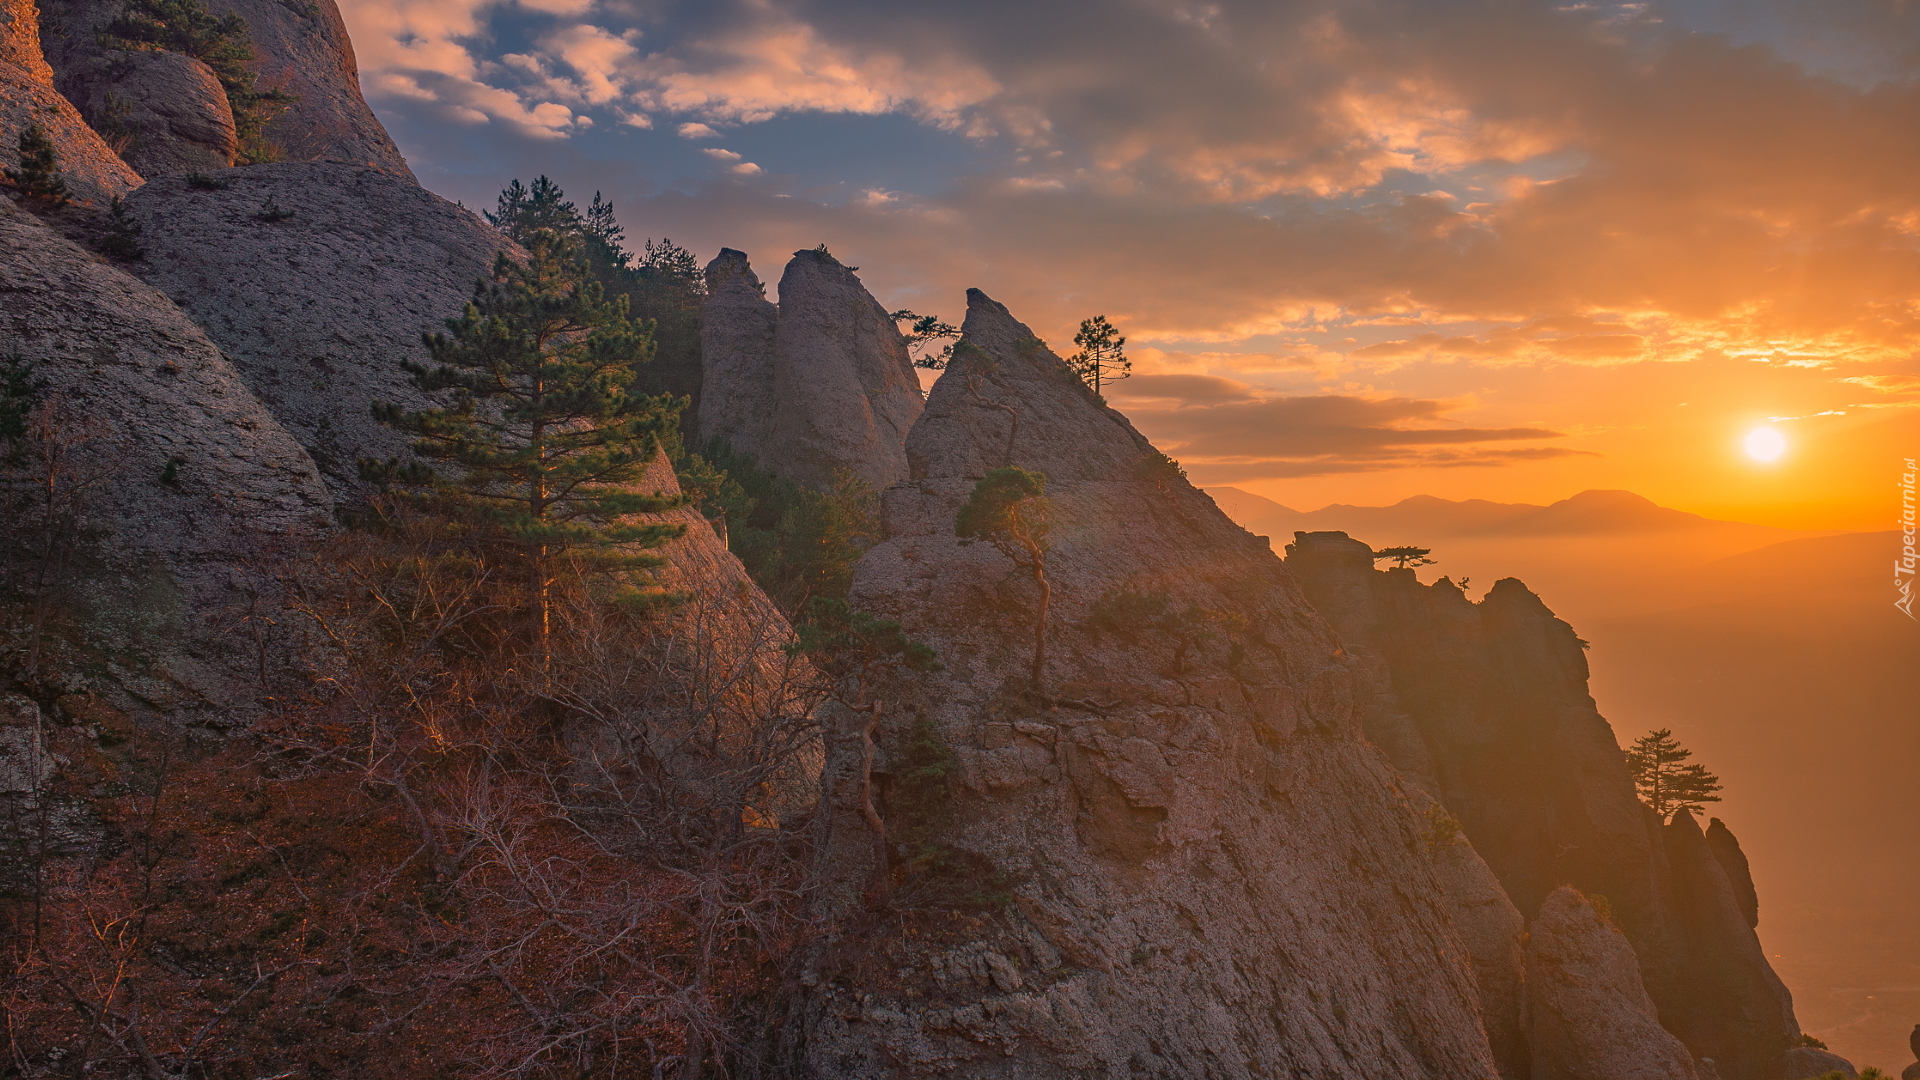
[818, 387]
[1209, 870]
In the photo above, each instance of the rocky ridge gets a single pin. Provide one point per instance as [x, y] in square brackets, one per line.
[824, 377]
[1485, 705]
[1160, 805]
[93, 171]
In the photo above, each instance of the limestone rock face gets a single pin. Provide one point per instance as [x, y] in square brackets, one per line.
[1590, 1017]
[172, 108]
[1811, 1063]
[317, 309]
[1741, 1012]
[835, 393]
[303, 48]
[165, 113]
[1494, 934]
[737, 329]
[195, 478]
[1210, 872]
[1505, 734]
[93, 171]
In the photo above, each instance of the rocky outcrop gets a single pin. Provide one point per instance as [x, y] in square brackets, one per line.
[1493, 931]
[737, 328]
[1812, 1063]
[93, 171]
[302, 48]
[166, 113]
[1202, 869]
[317, 280]
[836, 391]
[1738, 1011]
[1486, 705]
[185, 477]
[1589, 1016]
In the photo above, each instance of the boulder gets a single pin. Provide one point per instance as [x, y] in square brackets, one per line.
[302, 48]
[1589, 1016]
[317, 308]
[188, 481]
[170, 109]
[1812, 1063]
[1911, 1072]
[1175, 857]
[819, 387]
[93, 171]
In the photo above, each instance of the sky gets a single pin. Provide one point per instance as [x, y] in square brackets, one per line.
[1361, 250]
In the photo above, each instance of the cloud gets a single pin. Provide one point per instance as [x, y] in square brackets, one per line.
[1185, 388]
[723, 155]
[696, 131]
[1223, 430]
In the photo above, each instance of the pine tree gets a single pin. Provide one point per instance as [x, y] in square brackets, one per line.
[38, 176]
[1008, 509]
[543, 428]
[1663, 782]
[1102, 357]
[1406, 556]
[523, 211]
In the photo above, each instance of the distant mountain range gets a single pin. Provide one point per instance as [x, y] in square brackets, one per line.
[1424, 517]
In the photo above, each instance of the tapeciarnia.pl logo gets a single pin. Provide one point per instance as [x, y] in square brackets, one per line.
[1903, 566]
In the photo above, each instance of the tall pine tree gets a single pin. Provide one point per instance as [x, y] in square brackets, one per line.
[1663, 781]
[1103, 355]
[543, 430]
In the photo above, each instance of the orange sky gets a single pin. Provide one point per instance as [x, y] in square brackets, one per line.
[1363, 249]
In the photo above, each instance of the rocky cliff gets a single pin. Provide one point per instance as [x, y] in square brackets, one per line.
[1486, 705]
[818, 386]
[1207, 871]
[186, 483]
[93, 171]
[317, 279]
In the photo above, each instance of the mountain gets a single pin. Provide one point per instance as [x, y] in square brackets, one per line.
[1424, 517]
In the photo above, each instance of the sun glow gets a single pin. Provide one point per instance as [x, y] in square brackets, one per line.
[1765, 444]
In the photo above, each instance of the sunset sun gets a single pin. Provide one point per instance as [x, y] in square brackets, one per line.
[1765, 444]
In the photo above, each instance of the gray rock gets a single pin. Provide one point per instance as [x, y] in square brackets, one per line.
[818, 387]
[1911, 1072]
[1590, 1018]
[195, 484]
[93, 171]
[1726, 850]
[845, 389]
[1211, 873]
[317, 310]
[302, 47]
[170, 106]
[1811, 1063]
[736, 358]
[165, 111]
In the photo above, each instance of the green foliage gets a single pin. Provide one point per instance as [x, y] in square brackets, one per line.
[20, 391]
[38, 176]
[1158, 468]
[1406, 556]
[273, 211]
[220, 42]
[203, 182]
[919, 809]
[796, 542]
[1443, 829]
[1007, 507]
[1102, 357]
[663, 283]
[544, 432]
[924, 331]
[853, 648]
[122, 242]
[1602, 907]
[1663, 781]
[1808, 1040]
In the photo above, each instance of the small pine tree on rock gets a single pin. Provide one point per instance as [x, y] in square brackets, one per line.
[122, 242]
[543, 429]
[1406, 556]
[1008, 509]
[1665, 782]
[38, 176]
[1103, 356]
